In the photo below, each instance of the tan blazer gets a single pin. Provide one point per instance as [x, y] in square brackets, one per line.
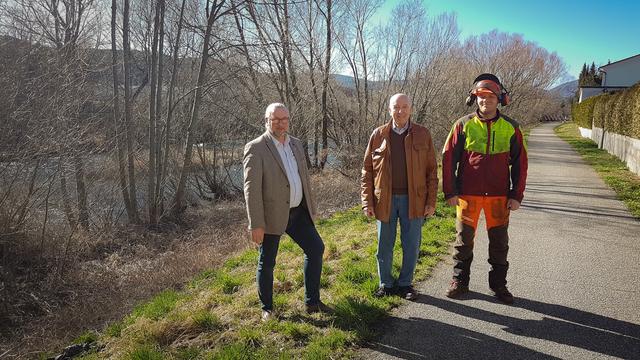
[266, 187]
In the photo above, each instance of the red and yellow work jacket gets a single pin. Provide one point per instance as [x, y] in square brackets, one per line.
[485, 157]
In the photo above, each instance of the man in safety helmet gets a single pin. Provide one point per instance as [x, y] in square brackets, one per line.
[484, 168]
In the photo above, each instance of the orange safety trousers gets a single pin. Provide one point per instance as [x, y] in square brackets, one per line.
[495, 210]
[497, 219]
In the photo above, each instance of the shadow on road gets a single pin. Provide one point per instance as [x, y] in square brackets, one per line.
[559, 324]
[578, 211]
[430, 339]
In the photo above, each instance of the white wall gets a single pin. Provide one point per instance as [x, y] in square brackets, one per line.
[625, 148]
[586, 93]
[625, 73]
[585, 133]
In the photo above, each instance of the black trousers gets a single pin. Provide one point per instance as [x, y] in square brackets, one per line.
[302, 230]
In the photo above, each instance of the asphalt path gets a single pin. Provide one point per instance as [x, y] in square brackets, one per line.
[574, 271]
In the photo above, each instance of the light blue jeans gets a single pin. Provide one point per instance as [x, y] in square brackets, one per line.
[410, 238]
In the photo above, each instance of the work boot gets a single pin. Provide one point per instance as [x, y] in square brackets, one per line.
[503, 294]
[456, 289]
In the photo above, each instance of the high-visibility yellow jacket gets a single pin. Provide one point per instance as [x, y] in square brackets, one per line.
[485, 157]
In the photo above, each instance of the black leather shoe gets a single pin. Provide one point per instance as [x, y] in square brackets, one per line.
[503, 294]
[456, 289]
[408, 292]
[383, 291]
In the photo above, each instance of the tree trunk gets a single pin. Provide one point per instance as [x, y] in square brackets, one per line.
[172, 85]
[325, 85]
[159, 111]
[66, 201]
[179, 204]
[151, 186]
[81, 191]
[128, 121]
[120, 151]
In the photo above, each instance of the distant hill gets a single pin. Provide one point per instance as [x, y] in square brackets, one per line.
[348, 82]
[567, 89]
[345, 80]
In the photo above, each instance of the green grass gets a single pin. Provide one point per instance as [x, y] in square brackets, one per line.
[161, 305]
[217, 314]
[612, 170]
[145, 352]
[87, 337]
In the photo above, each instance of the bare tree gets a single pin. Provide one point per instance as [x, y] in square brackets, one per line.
[164, 164]
[118, 129]
[128, 116]
[354, 42]
[214, 11]
[325, 85]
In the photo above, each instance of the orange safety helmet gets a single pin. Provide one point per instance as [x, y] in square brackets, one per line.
[488, 83]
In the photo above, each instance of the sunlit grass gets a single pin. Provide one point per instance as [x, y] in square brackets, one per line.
[217, 315]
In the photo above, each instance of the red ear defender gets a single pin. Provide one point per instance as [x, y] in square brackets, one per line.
[505, 99]
[491, 82]
[470, 99]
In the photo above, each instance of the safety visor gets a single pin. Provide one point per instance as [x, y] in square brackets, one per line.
[486, 87]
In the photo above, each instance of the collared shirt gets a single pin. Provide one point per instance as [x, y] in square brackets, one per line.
[291, 168]
[399, 130]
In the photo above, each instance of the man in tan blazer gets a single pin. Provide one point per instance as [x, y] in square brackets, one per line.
[278, 197]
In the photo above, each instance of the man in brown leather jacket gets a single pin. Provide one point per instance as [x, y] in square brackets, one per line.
[399, 183]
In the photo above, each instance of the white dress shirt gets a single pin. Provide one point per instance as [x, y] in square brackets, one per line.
[291, 168]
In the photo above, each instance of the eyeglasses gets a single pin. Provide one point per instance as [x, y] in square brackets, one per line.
[281, 120]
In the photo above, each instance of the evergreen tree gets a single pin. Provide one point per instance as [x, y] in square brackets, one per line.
[593, 76]
[583, 75]
[589, 76]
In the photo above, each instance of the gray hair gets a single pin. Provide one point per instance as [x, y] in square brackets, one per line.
[397, 96]
[272, 107]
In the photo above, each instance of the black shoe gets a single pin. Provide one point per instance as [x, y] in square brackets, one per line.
[456, 289]
[503, 294]
[319, 308]
[383, 291]
[408, 292]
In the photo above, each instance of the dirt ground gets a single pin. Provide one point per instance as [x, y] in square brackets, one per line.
[45, 306]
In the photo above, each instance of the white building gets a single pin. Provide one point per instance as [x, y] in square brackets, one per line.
[615, 76]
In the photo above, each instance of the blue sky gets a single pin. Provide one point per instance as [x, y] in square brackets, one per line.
[578, 31]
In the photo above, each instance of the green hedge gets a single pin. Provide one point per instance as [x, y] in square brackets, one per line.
[618, 112]
[582, 113]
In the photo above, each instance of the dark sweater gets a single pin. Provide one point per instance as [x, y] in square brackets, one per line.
[399, 185]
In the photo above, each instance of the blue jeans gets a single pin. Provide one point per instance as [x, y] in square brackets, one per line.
[301, 229]
[410, 237]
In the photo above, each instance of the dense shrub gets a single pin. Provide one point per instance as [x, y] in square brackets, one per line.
[618, 112]
[582, 113]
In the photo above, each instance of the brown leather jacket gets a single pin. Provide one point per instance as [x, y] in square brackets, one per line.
[421, 172]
